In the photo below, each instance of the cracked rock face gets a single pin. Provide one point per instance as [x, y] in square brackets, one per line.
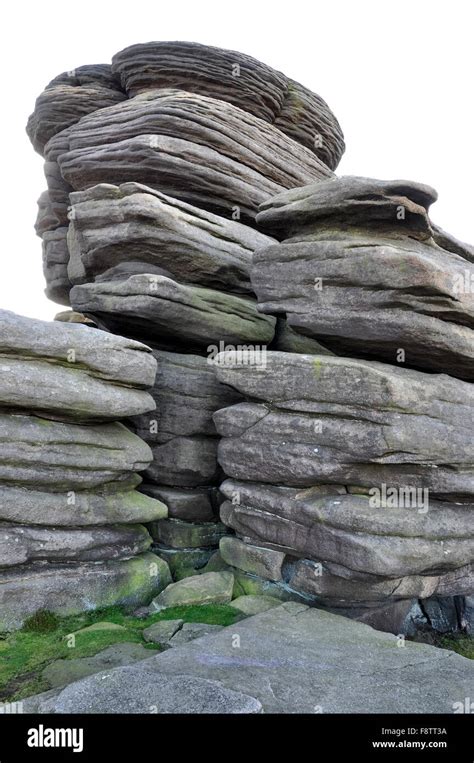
[362, 269]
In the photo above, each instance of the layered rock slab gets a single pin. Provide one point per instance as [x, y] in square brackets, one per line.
[234, 77]
[200, 150]
[68, 471]
[167, 313]
[115, 227]
[318, 419]
[362, 269]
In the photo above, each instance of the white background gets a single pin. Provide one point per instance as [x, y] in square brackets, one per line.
[398, 76]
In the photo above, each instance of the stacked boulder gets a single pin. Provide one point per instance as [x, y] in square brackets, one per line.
[321, 326]
[156, 167]
[352, 480]
[71, 520]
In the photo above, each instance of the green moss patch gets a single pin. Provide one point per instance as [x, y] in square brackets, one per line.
[45, 638]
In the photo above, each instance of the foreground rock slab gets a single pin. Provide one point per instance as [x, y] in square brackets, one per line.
[291, 659]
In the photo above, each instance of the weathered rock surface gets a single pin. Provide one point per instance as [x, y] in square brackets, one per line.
[202, 151]
[339, 466]
[68, 97]
[64, 672]
[187, 394]
[69, 510]
[192, 505]
[360, 270]
[208, 588]
[265, 562]
[111, 503]
[235, 78]
[253, 605]
[21, 544]
[99, 354]
[292, 659]
[181, 694]
[40, 452]
[162, 631]
[114, 228]
[167, 313]
[192, 631]
[179, 534]
[186, 562]
[323, 419]
[72, 588]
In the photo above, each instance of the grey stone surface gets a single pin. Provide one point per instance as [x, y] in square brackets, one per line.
[208, 588]
[104, 693]
[178, 534]
[63, 672]
[100, 354]
[252, 86]
[257, 560]
[162, 632]
[40, 452]
[202, 151]
[347, 530]
[163, 311]
[20, 544]
[68, 97]
[252, 604]
[361, 271]
[114, 226]
[88, 374]
[187, 394]
[112, 502]
[192, 504]
[192, 631]
[184, 462]
[70, 589]
[292, 659]
[320, 419]
[185, 562]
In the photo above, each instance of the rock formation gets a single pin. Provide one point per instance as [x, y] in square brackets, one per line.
[71, 519]
[155, 175]
[321, 326]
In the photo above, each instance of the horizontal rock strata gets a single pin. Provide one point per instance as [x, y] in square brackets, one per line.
[69, 509]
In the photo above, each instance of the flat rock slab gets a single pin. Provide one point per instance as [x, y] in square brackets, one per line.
[39, 452]
[103, 693]
[253, 604]
[89, 374]
[291, 659]
[63, 672]
[20, 544]
[113, 502]
[191, 631]
[170, 314]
